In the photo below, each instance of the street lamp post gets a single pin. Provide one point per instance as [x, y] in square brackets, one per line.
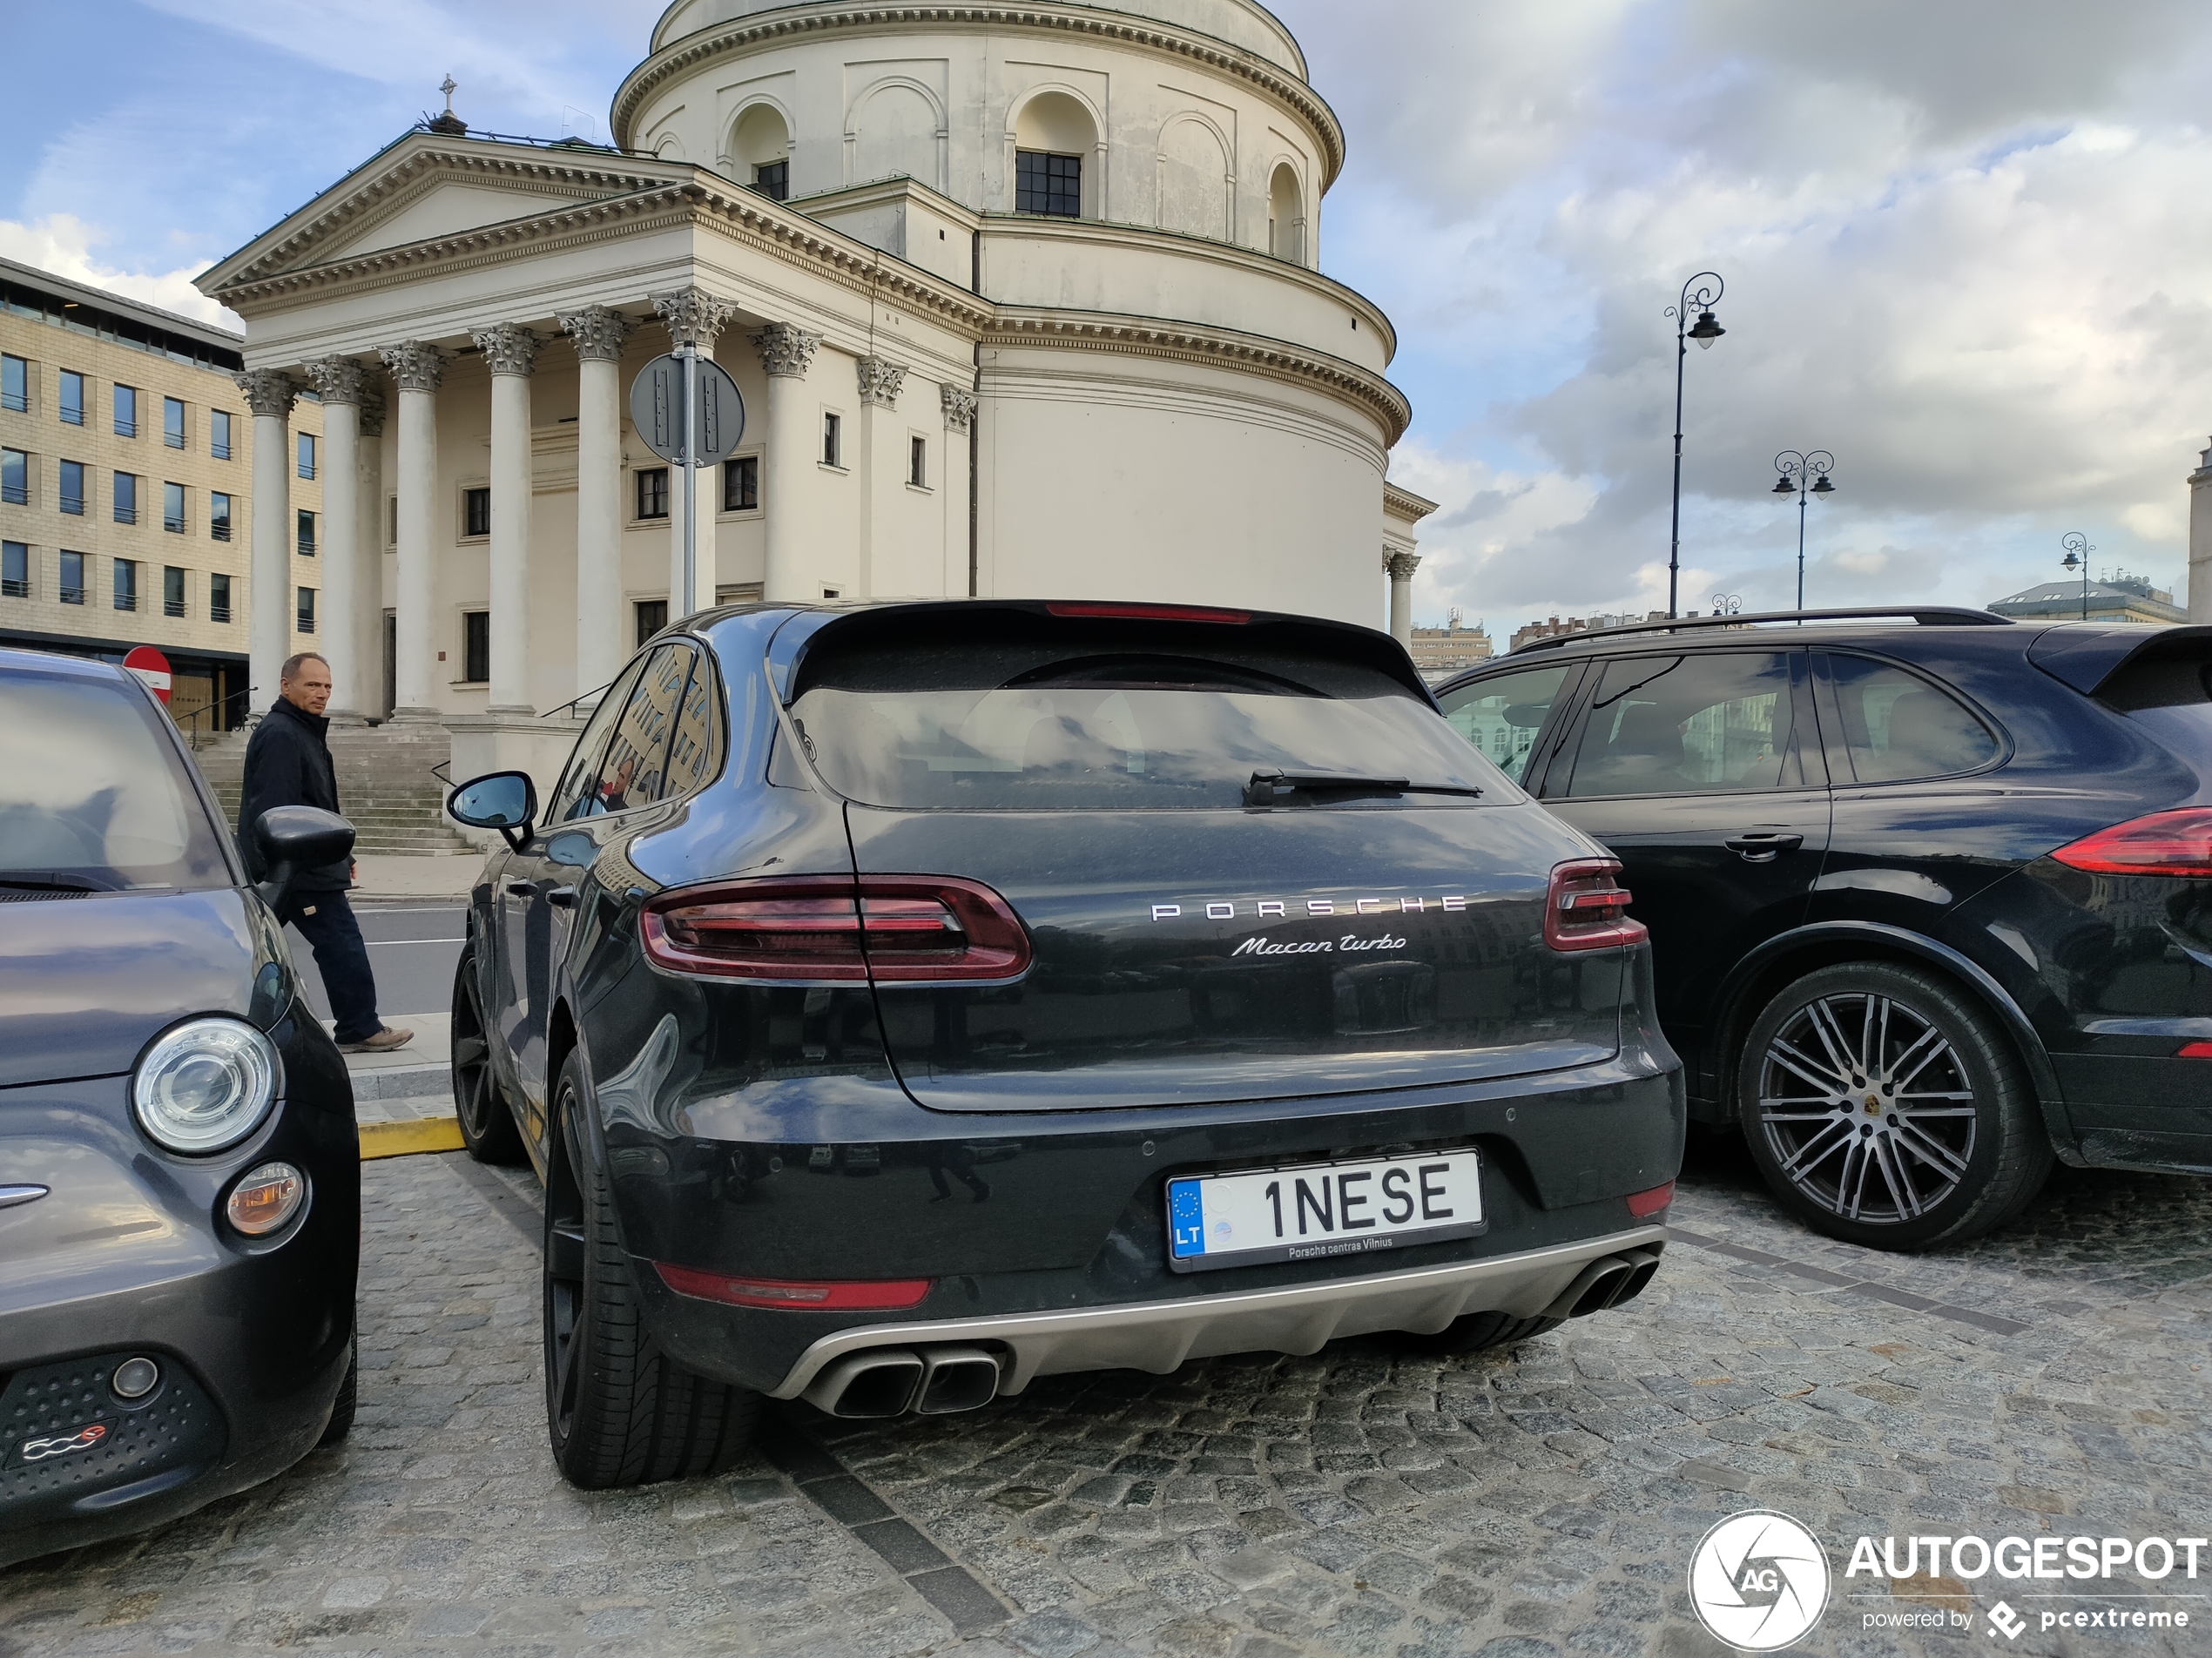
[1804, 475]
[1703, 291]
[2077, 552]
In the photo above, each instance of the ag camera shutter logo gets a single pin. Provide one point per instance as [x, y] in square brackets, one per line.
[1759, 1580]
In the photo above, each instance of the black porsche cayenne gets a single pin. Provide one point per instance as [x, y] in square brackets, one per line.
[179, 1169]
[1930, 891]
[902, 1002]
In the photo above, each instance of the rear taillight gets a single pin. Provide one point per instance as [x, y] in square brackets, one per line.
[828, 929]
[2165, 843]
[869, 1294]
[1588, 909]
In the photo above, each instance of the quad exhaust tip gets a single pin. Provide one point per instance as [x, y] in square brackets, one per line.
[891, 1381]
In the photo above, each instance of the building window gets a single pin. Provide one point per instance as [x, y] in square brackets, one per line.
[219, 434]
[1048, 183]
[307, 454]
[832, 440]
[652, 617]
[15, 384]
[72, 592]
[126, 411]
[14, 477]
[773, 179]
[73, 489]
[306, 534]
[652, 492]
[172, 423]
[173, 591]
[72, 389]
[172, 508]
[15, 570]
[741, 483]
[307, 617]
[126, 584]
[476, 512]
[218, 598]
[219, 515]
[476, 646]
[918, 462]
[126, 498]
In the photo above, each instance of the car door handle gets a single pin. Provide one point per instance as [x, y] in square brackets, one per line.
[562, 898]
[1762, 847]
[529, 889]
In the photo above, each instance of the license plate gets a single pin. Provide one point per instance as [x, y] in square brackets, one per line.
[1313, 1210]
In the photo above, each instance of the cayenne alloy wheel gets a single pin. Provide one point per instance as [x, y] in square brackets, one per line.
[1881, 1105]
[486, 1126]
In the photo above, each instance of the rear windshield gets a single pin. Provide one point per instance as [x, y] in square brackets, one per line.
[1091, 720]
[93, 793]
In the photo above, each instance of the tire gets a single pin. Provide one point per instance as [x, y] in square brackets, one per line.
[479, 1104]
[341, 1408]
[1477, 1331]
[620, 1412]
[1823, 1077]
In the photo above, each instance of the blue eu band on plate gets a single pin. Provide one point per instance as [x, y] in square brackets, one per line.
[1318, 1210]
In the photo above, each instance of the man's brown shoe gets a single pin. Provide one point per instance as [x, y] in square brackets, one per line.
[382, 1041]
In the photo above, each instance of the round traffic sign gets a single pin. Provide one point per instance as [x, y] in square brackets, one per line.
[151, 667]
[656, 410]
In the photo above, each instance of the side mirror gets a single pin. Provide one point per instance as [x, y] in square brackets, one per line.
[505, 801]
[291, 839]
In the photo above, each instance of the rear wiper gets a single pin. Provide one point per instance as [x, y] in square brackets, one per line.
[1266, 787]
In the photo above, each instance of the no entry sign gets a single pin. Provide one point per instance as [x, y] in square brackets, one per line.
[152, 667]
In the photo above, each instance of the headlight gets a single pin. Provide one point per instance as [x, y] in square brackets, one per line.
[204, 1085]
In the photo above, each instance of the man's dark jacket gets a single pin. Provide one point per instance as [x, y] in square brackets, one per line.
[287, 764]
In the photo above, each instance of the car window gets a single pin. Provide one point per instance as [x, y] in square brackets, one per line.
[1688, 725]
[1502, 715]
[1897, 725]
[690, 744]
[633, 772]
[574, 796]
[93, 793]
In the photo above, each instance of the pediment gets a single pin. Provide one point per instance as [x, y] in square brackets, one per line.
[444, 204]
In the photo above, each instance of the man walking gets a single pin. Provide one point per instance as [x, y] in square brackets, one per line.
[287, 764]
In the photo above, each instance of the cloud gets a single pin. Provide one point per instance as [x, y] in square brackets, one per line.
[62, 246]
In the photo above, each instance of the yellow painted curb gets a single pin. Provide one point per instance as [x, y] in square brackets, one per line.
[405, 1139]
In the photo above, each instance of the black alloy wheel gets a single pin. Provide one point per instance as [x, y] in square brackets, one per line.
[488, 1126]
[618, 1410]
[1884, 1107]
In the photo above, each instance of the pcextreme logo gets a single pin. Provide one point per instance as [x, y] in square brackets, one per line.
[1759, 1580]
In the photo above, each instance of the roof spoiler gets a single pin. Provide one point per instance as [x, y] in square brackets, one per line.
[1927, 615]
[2088, 657]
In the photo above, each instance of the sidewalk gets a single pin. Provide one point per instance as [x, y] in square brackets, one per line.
[409, 1083]
[379, 876]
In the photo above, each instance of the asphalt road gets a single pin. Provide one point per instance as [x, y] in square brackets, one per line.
[411, 946]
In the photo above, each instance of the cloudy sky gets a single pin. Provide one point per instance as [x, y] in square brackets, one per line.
[1965, 245]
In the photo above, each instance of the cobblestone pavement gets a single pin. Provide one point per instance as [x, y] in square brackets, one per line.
[1537, 1501]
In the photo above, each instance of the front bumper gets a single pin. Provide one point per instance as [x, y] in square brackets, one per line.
[1159, 1337]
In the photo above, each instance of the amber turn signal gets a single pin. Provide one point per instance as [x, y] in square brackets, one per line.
[265, 1198]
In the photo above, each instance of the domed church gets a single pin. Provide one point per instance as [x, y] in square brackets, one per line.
[1021, 300]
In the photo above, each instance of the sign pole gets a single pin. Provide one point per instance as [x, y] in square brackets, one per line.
[690, 354]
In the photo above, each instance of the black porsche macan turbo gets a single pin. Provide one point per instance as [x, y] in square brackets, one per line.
[902, 1002]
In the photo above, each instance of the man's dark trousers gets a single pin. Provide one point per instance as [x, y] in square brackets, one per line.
[326, 920]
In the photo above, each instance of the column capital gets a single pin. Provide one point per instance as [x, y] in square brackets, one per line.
[597, 332]
[416, 365]
[960, 406]
[268, 391]
[880, 380]
[372, 413]
[338, 379]
[693, 317]
[785, 351]
[509, 348]
[1401, 565]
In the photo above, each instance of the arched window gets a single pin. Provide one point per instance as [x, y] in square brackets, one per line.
[760, 150]
[1287, 216]
[1053, 135]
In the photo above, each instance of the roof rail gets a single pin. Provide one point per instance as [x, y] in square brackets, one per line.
[1927, 615]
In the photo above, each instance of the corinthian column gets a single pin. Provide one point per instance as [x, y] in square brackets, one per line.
[1401, 566]
[598, 334]
[341, 381]
[787, 353]
[418, 369]
[510, 352]
[694, 317]
[2199, 596]
[368, 555]
[270, 394]
[959, 405]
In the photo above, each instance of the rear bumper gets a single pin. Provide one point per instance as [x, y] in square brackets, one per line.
[1159, 1337]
